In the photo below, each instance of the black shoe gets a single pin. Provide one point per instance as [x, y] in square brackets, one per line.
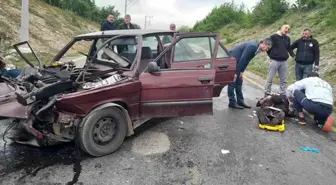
[235, 106]
[245, 106]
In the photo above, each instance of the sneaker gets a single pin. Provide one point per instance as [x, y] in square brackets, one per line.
[302, 121]
[327, 126]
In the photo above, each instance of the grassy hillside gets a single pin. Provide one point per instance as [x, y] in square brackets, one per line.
[50, 27]
[233, 34]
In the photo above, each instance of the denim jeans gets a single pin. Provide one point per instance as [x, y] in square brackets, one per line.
[320, 111]
[236, 87]
[302, 71]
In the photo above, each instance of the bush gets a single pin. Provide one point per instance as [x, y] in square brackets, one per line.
[268, 11]
[227, 13]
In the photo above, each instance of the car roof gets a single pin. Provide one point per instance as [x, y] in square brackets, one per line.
[123, 32]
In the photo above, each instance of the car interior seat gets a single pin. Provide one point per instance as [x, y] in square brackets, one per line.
[146, 57]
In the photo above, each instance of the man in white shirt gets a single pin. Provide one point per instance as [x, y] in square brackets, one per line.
[313, 95]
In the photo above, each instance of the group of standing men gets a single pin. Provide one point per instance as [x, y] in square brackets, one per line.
[309, 92]
[110, 25]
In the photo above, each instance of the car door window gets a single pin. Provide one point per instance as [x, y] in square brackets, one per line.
[193, 49]
[166, 39]
[152, 43]
[221, 51]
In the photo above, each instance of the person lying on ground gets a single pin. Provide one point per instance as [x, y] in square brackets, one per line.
[278, 101]
[271, 110]
[315, 96]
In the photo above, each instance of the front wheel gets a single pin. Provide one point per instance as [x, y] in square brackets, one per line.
[103, 132]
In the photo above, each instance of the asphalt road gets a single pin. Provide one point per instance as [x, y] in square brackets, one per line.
[186, 151]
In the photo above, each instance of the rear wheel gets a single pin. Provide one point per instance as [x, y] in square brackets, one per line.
[103, 132]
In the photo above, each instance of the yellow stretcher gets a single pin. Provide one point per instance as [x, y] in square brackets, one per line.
[279, 128]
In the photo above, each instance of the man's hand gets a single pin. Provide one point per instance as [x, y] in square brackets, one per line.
[235, 77]
[316, 68]
[241, 75]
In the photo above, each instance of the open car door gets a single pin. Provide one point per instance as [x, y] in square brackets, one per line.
[175, 91]
[204, 50]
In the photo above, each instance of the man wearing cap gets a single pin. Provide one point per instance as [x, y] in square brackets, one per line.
[244, 53]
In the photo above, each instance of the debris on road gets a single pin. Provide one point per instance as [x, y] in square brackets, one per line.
[225, 151]
[310, 149]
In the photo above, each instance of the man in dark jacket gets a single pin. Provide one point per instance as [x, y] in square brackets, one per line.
[307, 54]
[126, 25]
[244, 53]
[108, 24]
[278, 59]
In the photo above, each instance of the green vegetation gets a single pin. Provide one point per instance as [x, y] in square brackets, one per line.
[88, 10]
[237, 25]
[184, 28]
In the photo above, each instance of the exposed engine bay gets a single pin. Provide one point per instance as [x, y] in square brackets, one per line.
[40, 93]
[38, 89]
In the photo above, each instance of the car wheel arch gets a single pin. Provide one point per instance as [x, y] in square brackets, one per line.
[119, 105]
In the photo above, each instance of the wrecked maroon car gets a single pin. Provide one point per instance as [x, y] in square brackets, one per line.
[126, 78]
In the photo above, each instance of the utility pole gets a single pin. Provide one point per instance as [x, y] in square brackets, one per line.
[24, 30]
[147, 17]
[129, 3]
[125, 7]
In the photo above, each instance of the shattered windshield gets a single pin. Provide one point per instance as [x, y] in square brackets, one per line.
[78, 52]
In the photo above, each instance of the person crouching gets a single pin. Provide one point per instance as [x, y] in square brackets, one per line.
[315, 96]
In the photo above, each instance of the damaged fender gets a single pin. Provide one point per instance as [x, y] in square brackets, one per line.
[109, 105]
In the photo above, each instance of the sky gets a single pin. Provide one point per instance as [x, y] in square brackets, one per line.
[164, 12]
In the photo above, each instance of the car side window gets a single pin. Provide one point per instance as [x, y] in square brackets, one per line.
[150, 42]
[193, 49]
[221, 51]
[166, 39]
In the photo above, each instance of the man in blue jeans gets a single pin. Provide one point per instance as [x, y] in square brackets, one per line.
[244, 53]
[307, 55]
[313, 95]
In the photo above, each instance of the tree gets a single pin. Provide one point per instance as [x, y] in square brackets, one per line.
[184, 28]
[227, 13]
[268, 11]
[85, 8]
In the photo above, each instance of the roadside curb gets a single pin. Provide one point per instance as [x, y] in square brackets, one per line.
[250, 80]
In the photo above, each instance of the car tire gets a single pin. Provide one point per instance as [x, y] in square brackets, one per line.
[103, 132]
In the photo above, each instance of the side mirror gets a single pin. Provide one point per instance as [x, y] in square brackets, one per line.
[153, 67]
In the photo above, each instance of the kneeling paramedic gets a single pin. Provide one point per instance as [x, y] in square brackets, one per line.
[313, 95]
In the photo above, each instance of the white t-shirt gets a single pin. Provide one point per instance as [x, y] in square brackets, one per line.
[315, 88]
